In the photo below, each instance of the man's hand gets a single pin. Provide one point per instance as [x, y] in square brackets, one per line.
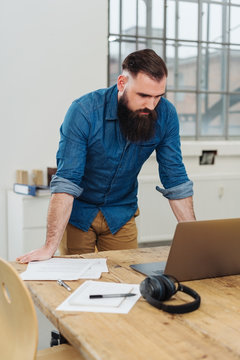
[43, 253]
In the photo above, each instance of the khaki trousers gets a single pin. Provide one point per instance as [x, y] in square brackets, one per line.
[98, 237]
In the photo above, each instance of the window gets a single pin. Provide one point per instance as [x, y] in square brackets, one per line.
[200, 42]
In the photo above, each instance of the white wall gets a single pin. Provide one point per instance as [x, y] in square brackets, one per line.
[52, 52]
[216, 189]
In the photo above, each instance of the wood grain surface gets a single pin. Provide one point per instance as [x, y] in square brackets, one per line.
[211, 332]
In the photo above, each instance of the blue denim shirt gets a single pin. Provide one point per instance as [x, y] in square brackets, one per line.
[99, 167]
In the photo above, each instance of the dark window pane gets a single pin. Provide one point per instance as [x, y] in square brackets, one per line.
[234, 115]
[212, 114]
[170, 60]
[157, 46]
[127, 47]
[187, 66]
[185, 104]
[142, 43]
[214, 68]
[234, 73]
[114, 62]
[182, 65]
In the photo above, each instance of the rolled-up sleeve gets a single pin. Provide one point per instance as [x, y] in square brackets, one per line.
[61, 185]
[177, 192]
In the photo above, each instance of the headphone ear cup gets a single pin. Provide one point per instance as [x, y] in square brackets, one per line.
[154, 287]
[170, 288]
[159, 288]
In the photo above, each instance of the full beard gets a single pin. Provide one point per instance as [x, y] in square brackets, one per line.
[134, 126]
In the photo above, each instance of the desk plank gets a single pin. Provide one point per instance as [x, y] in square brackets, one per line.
[212, 332]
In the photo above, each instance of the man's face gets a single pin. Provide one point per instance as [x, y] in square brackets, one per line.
[137, 100]
[142, 91]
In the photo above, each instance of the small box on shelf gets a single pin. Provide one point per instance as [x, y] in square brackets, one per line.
[22, 176]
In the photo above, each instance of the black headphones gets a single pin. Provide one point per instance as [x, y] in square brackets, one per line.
[156, 289]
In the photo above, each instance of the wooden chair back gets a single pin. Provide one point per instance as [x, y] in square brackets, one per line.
[19, 327]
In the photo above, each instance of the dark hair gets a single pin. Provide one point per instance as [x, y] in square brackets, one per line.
[146, 61]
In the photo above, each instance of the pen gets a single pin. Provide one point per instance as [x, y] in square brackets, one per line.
[110, 296]
[62, 283]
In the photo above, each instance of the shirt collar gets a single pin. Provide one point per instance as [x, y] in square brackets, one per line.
[112, 103]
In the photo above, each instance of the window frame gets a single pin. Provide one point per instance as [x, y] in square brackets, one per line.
[137, 39]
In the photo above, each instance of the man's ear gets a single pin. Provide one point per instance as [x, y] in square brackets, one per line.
[121, 82]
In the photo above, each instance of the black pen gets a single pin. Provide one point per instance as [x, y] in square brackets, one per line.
[62, 283]
[110, 296]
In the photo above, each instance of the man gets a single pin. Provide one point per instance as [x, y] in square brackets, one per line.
[106, 137]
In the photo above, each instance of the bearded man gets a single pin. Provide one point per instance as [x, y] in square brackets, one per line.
[106, 137]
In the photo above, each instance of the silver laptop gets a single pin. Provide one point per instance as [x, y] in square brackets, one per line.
[199, 250]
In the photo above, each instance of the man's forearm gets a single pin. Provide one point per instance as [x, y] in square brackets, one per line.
[183, 209]
[59, 211]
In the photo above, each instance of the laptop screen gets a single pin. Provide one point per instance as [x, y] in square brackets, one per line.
[200, 249]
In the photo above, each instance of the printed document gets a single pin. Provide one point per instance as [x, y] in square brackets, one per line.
[65, 269]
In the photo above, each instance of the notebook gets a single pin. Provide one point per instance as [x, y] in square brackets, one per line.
[199, 250]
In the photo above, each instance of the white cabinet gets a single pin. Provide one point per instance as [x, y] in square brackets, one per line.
[27, 221]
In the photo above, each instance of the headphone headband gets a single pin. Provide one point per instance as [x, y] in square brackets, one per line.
[148, 286]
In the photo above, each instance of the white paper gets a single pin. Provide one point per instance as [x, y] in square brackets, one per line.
[95, 270]
[79, 300]
[64, 269]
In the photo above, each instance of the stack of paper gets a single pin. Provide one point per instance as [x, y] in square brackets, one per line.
[65, 269]
[79, 300]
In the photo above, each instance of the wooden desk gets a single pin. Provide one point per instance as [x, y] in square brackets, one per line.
[212, 332]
